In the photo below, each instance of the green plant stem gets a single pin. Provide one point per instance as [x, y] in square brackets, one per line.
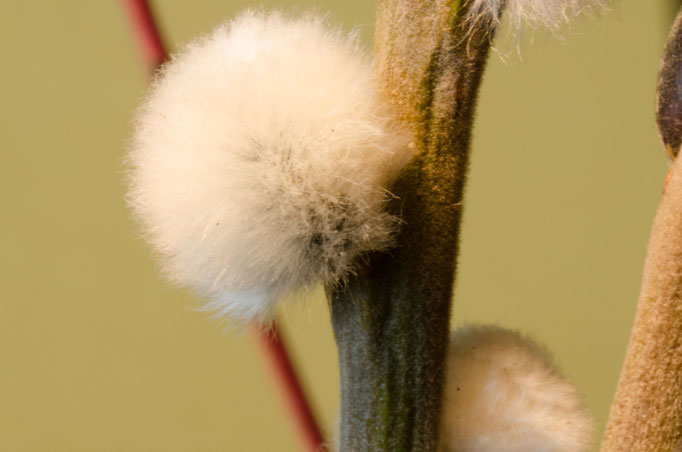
[391, 321]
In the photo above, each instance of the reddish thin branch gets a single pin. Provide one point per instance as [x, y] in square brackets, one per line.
[274, 348]
[147, 32]
[154, 52]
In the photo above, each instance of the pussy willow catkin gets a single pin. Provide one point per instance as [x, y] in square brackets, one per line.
[261, 161]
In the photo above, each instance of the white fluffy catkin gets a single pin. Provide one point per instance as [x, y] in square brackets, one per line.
[551, 14]
[504, 395]
[260, 162]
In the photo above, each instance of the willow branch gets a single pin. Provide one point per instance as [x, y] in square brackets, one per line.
[275, 350]
[147, 32]
[391, 321]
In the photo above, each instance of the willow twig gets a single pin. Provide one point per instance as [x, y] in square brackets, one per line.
[391, 320]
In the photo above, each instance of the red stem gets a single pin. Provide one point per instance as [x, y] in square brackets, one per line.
[274, 348]
[154, 53]
[147, 32]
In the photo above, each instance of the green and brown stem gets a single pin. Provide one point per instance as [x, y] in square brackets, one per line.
[391, 322]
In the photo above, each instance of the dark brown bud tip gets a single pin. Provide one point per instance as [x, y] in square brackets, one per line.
[669, 91]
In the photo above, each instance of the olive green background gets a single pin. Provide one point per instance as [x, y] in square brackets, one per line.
[96, 353]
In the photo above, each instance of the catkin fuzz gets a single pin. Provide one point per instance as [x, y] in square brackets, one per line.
[261, 162]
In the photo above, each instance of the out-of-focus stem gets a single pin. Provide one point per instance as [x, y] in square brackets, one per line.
[147, 32]
[275, 350]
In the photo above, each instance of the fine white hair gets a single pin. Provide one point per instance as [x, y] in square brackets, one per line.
[504, 395]
[261, 161]
[551, 14]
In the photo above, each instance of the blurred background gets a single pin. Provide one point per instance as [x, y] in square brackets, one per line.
[96, 353]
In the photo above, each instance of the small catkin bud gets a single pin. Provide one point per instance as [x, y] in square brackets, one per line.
[261, 161]
[503, 394]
